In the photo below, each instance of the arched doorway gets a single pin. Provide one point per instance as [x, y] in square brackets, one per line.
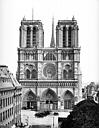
[49, 100]
[29, 100]
[68, 100]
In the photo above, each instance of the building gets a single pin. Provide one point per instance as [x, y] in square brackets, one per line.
[50, 77]
[91, 91]
[10, 98]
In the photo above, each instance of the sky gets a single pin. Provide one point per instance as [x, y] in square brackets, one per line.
[86, 12]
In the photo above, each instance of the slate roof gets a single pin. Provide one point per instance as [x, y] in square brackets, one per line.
[7, 79]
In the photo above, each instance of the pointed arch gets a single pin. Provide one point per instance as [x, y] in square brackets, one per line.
[49, 100]
[67, 66]
[68, 95]
[29, 95]
[68, 100]
[49, 94]
[29, 100]
[68, 72]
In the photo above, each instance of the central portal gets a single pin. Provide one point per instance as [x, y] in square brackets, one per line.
[49, 100]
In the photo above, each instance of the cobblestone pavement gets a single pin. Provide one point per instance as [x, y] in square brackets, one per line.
[28, 116]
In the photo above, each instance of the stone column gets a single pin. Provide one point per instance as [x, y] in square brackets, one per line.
[59, 71]
[62, 104]
[59, 105]
[30, 56]
[22, 37]
[38, 105]
[60, 38]
[77, 36]
[59, 55]
[73, 37]
[40, 38]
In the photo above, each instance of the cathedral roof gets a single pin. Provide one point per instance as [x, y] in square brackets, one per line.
[67, 22]
[31, 22]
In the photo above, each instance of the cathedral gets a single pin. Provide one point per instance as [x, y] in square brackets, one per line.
[50, 77]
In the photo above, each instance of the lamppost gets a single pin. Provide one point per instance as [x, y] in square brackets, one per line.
[26, 123]
[53, 121]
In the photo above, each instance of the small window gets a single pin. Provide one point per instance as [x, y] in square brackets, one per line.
[34, 74]
[69, 37]
[0, 117]
[28, 36]
[64, 37]
[28, 74]
[34, 36]
[65, 74]
[49, 56]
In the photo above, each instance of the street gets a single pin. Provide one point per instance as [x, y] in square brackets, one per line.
[28, 117]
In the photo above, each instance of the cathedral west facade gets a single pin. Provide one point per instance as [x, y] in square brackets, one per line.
[50, 77]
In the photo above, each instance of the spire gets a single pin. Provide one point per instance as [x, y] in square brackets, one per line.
[24, 18]
[73, 18]
[52, 44]
[32, 14]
